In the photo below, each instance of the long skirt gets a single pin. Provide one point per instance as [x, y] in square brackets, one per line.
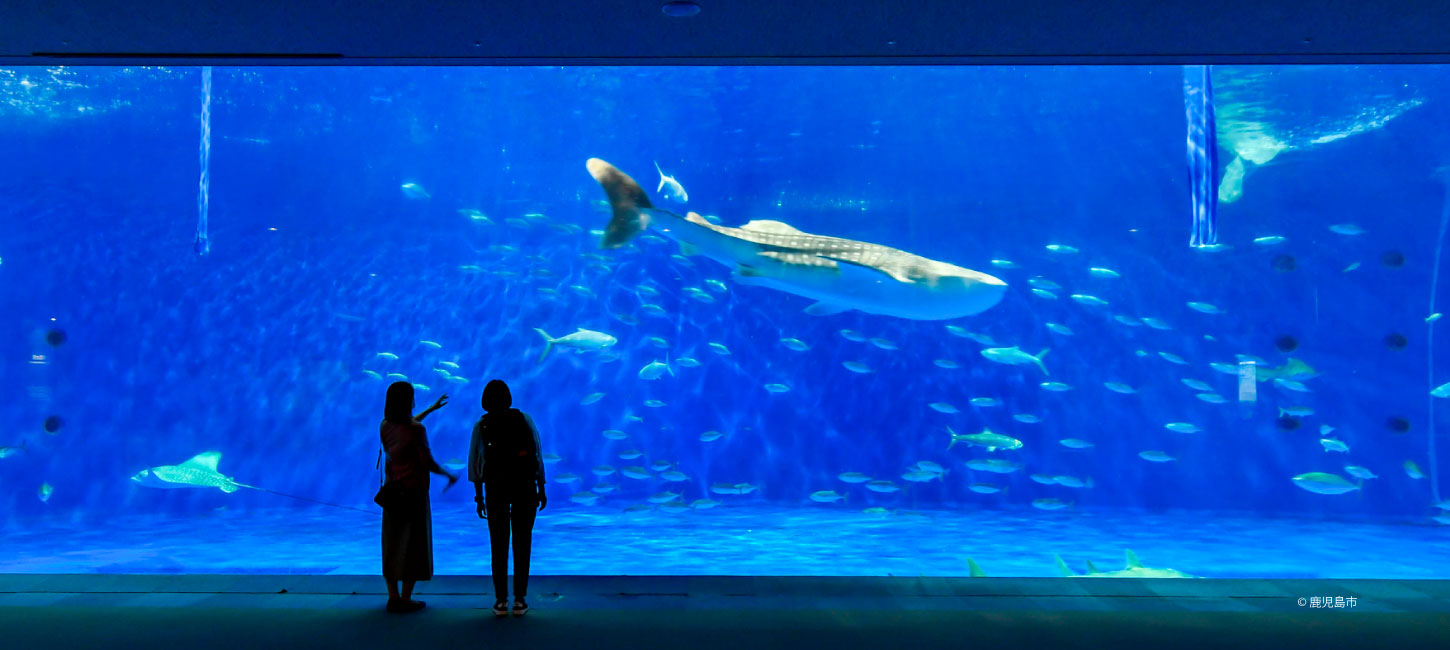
[408, 540]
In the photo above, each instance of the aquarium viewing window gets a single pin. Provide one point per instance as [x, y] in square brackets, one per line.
[934, 320]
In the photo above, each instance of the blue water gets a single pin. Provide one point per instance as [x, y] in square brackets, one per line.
[319, 262]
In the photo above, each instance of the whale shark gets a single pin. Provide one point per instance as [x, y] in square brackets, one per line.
[200, 471]
[1133, 568]
[839, 274]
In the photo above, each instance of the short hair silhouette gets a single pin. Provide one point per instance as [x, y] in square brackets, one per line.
[496, 396]
[398, 408]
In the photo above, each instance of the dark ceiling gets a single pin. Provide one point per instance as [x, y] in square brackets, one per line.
[725, 31]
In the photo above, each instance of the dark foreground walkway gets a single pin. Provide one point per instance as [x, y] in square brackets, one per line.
[735, 613]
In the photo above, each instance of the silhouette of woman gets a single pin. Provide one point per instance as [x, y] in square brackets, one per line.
[407, 515]
[505, 456]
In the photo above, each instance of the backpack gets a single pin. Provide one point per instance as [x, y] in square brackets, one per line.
[504, 436]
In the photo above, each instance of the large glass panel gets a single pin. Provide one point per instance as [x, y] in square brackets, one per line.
[195, 372]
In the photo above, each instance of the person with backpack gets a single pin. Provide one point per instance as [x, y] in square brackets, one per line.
[504, 457]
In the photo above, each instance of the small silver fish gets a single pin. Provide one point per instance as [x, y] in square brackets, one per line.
[795, 344]
[676, 191]
[1089, 300]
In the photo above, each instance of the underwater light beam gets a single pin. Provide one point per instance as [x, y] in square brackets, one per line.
[1202, 153]
[1444, 175]
[203, 244]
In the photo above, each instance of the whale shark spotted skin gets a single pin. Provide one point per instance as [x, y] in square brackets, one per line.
[840, 274]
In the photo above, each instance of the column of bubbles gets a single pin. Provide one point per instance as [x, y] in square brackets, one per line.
[203, 244]
[1202, 153]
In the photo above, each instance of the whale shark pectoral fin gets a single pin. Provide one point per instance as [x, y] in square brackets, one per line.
[694, 217]
[826, 309]
[748, 275]
[205, 460]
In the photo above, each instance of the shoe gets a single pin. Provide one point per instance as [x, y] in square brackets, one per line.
[415, 605]
[520, 607]
[501, 608]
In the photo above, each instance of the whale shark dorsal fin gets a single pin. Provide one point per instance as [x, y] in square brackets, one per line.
[976, 571]
[1132, 561]
[205, 460]
[1062, 567]
[771, 226]
[825, 309]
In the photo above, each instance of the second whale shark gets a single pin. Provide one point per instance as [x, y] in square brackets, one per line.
[839, 274]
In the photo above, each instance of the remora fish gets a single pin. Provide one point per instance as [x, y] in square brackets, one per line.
[841, 274]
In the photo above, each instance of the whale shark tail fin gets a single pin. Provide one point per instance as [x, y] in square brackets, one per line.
[627, 200]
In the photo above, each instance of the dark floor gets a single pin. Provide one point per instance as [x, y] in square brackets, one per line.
[700, 613]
